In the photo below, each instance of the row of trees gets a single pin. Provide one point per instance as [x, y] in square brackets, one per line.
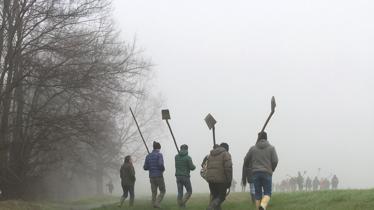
[66, 81]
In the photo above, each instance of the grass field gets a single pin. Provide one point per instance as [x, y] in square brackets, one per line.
[82, 204]
[22, 205]
[324, 200]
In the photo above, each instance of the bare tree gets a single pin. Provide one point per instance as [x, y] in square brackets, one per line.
[63, 77]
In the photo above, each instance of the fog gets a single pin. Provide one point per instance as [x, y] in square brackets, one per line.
[229, 58]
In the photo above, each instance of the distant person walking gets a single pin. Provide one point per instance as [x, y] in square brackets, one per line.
[285, 185]
[293, 184]
[327, 181]
[233, 185]
[219, 175]
[308, 184]
[243, 187]
[300, 181]
[110, 186]
[127, 174]
[260, 163]
[315, 184]
[183, 166]
[154, 163]
[334, 182]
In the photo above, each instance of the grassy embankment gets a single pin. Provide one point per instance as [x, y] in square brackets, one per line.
[324, 200]
[82, 204]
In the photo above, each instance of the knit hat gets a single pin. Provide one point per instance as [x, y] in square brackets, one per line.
[184, 147]
[156, 145]
[127, 158]
[225, 145]
[262, 135]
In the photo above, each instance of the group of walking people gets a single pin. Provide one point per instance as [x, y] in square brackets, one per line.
[298, 183]
[216, 168]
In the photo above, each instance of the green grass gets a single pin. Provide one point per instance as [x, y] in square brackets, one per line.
[82, 204]
[324, 200]
[23, 205]
[95, 200]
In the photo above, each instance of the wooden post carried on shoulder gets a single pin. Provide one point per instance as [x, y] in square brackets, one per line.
[137, 125]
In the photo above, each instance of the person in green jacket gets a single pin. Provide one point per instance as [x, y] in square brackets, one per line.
[183, 166]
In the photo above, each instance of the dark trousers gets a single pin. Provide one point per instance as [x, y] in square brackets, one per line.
[183, 182]
[157, 183]
[218, 195]
[128, 189]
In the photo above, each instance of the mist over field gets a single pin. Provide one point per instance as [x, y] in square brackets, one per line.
[75, 74]
[229, 58]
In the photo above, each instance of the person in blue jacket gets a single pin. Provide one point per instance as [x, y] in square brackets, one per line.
[154, 163]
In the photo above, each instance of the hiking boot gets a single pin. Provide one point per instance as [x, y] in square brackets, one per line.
[214, 205]
[185, 198]
[210, 207]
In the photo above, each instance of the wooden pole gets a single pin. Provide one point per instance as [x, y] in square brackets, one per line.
[137, 125]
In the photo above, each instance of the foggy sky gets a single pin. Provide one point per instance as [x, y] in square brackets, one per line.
[228, 58]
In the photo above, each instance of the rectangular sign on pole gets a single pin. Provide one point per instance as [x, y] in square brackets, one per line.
[166, 116]
[210, 121]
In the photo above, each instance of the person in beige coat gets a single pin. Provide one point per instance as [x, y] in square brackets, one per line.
[219, 175]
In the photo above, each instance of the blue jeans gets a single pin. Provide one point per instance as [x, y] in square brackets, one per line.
[262, 181]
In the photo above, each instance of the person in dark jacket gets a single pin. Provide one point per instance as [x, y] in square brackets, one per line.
[154, 163]
[127, 173]
[259, 164]
[110, 186]
[246, 177]
[334, 182]
[219, 175]
[308, 184]
[315, 184]
[233, 185]
[300, 181]
[183, 166]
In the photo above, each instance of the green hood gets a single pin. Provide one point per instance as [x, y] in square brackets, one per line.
[183, 164]
[183, 152]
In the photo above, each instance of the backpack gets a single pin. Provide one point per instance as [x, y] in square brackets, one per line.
[204, 167]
